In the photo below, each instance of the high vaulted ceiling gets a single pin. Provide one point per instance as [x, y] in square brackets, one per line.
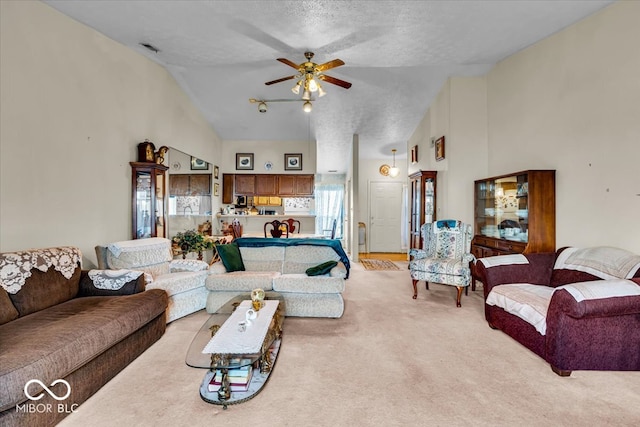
[397, 54]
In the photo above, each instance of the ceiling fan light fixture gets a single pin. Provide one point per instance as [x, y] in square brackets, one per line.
[306, 96]
[307, 107]
[321, 91]
[296, 88]
[313, 86]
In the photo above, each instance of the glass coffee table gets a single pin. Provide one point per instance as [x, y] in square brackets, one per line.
[235, 333]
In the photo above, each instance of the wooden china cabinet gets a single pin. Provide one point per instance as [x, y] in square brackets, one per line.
[515, 213]
[423, 204]
[148, 191]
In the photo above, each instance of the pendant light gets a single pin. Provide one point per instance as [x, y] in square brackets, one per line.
[393, 170]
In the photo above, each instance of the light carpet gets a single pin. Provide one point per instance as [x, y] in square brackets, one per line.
[378, 264]
[389, 361]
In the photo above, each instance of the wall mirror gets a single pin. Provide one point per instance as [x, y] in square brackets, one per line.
[190, 193]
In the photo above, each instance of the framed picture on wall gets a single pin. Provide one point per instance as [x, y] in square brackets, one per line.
[244, 161]
[198, 164]
[216, 171]
[216, 189]
[414, 154]
[293, 162]
[440, 148]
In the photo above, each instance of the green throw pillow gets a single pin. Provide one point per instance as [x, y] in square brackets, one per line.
[230, 256]
[320, 269]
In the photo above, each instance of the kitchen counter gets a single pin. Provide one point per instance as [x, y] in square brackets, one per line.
[254, 224]
[285, 216]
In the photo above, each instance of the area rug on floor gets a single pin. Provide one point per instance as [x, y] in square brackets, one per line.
[378, 264]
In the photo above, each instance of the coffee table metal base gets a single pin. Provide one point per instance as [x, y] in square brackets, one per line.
[258, 380]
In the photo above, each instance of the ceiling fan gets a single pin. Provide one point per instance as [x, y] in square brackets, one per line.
[308, 72]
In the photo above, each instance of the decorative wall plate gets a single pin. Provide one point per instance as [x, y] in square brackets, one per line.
[268, 165]
[176, 166]
[384, 170]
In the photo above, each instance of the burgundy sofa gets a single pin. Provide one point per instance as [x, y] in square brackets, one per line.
[580, 314]
[67, 329]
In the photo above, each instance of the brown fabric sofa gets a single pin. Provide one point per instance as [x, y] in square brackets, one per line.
[577, 308]
[65, 332]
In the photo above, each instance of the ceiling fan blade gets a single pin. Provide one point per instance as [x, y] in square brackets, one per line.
[330, 64]
[289, 63]
[334, 81]
[280, 80]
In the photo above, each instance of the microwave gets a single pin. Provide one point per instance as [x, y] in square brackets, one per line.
[241, 202]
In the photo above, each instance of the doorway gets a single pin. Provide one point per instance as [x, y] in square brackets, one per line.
[385, 216]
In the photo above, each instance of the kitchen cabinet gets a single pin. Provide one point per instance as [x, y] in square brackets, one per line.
[148, 191]
[227, 188]
[278, 185]
[295, 185]
[266, 185]
[190, 184]
[245, 185]
[423, 204]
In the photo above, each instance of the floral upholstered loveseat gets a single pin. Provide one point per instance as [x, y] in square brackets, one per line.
[67, 329]
[182, 280]
[280, 265]
[578, 308]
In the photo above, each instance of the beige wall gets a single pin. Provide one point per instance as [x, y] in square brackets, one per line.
[74, 105]
[569, 103]
[272, 151]
[572, 103]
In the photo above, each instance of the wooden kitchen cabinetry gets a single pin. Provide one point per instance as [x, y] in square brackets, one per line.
[295, 185]
[227, 188]
[245, 185]
[423, 204]
[515, 213]
[266, 185]
[190, 184]
[277, 185]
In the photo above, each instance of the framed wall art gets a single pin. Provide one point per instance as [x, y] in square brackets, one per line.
[440, 148]
[293, 162]
[216, 189]
[244, 161]
[414, 154]
[198, 164]
[216, 171]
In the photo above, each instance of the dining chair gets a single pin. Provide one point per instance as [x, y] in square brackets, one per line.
[292, 225]
[331, 231]
[276, 228]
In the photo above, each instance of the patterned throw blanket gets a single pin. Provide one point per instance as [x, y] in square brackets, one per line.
[602, 261]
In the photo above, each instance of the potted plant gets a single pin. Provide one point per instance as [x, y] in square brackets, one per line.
[192, 241]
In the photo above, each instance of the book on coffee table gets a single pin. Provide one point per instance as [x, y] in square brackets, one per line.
[236, 383]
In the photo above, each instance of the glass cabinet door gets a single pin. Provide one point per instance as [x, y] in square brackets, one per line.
[502, 208]
[429, 199]
[143, 208]
[148, 200]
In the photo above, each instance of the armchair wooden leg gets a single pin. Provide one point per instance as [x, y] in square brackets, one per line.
[415, 289]
[458, 296]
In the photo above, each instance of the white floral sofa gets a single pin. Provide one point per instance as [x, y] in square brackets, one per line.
[279, 265]
[182, 280]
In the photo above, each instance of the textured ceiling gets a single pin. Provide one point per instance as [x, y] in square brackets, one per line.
[397, 54]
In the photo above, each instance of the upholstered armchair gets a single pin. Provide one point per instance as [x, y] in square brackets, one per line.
[445, 256]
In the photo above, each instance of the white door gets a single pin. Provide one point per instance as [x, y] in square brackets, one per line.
[385, 217]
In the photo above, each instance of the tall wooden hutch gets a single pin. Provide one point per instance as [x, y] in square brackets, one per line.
[148, 191]
[423, 204]
[515, 213]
